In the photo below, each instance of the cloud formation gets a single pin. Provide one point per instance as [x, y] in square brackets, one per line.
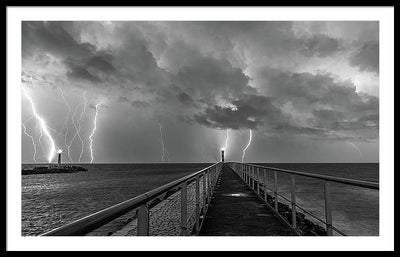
[274, 77]
[366, 57]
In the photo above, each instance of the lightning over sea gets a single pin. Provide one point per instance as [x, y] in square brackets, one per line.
[43, 127]
[93, 131]
[248, 144]
[164, 152]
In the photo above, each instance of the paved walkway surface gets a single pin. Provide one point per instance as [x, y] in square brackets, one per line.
[236, 211]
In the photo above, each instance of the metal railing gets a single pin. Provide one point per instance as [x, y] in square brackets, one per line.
[141, 204]
[250, 174]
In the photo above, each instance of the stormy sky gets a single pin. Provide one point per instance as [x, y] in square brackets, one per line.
[309, 91]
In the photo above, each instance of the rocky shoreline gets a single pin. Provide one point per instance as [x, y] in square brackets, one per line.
[53, 169]
[304, 225]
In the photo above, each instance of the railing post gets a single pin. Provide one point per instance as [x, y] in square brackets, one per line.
[276, 190]
[143, 221]
[249, 171]
[328, 208]
[265, 185]
[214, 178]
[249, 175]
[253, 174]
[211, 181]
[293, 199]
[208, 187]
[183, 208]
[246, 174]
[197, 204]
[258, 181]
[204, 191]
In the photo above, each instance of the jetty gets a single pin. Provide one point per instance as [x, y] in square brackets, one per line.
[224, 199]
[54, 168]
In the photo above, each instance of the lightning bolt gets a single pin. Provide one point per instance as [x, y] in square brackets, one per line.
[76, 132]
[225, 147]
[77, 125]
[164, 151]
[38, 128]
[93, 131]
[80, 120]
[358, 149]
[43, 127]
[248, 144]
[33, 141]
[40, 135]
[65, 125]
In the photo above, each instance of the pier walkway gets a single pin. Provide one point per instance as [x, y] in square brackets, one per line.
[237, 211]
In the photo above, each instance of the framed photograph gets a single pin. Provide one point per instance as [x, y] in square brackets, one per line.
[200, 128]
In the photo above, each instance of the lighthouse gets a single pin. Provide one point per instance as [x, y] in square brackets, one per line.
[222, 155]
[59, 152]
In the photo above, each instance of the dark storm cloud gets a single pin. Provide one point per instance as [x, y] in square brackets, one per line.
[345, 109]
[304, 89]
[140, 104]
[366, 57]
[286, 128]
[53, 37]
[84, 62]
[208, 74]
[224, 118]
[101, 62]
[208, 78]
[328, 114]
[134, 103]
[185, 99]
[248, 112]
[340, 121]
[319, 45]
[80, 73]
[341, 107]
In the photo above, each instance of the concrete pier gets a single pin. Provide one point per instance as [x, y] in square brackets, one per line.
[236, 211]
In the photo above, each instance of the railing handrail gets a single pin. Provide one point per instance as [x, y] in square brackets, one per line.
[248, 174]
[353, 182]
[95, 220]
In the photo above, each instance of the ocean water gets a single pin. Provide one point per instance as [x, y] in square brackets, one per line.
[53, 200]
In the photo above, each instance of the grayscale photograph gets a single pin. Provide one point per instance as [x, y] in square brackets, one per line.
[200, 128]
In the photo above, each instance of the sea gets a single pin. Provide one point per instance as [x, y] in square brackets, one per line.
[52, 200]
